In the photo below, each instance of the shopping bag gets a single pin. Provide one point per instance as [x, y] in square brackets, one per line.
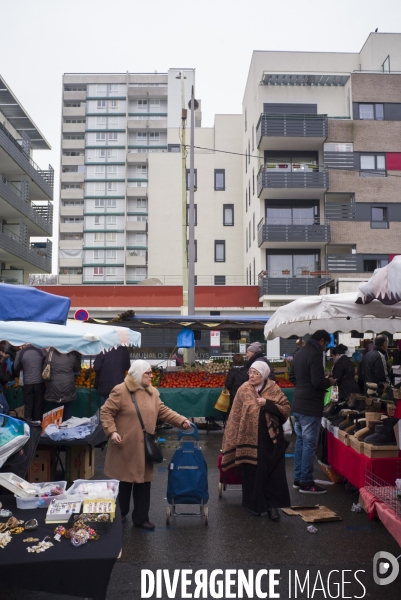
[327, 396]
[223, 401]
[334, 393]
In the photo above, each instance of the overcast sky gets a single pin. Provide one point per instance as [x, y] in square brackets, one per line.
[42, 39]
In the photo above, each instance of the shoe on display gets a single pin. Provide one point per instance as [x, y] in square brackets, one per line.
[312, 489]
[273, 513]
[145, 525]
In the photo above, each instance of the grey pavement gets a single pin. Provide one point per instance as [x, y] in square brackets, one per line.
[236, 539]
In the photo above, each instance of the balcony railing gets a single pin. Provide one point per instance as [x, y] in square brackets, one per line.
[307, 285]
[292, 175]
[41, 214]
[291, 125]
[342, 263]
[336, 211]
[294, 230]
[43, 178]
[37, 254]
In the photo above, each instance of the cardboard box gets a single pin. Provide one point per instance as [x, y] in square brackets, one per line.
[53, 417]
[356, 444]
[312, 514]
[397, 393]
[343, 437]
[79, 462]
[43, 466]
[380, 451]
[19, 412]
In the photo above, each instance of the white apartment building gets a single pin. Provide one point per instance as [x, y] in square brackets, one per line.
[26, 194]
[321, 138]
[112, 126]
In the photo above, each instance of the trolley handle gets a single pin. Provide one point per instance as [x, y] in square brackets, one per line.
[193, 433]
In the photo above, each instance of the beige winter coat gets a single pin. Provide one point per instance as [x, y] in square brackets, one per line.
[126, 462]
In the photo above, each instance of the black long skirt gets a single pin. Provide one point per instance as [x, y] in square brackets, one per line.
[265, 485]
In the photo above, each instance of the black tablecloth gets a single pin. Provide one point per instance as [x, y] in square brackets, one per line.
[62, 569]
[96, 438]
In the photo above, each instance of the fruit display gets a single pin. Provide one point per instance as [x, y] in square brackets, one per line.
[86, 378]
[217, 365]
[283, 382]
[197, 379]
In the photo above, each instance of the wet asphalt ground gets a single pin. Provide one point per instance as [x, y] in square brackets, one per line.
[235, 539]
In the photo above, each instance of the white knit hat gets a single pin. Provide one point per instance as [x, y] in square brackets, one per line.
[262, 367]
[138, 368]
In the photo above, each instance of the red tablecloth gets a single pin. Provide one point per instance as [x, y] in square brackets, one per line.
[387, 516]
[352, 465]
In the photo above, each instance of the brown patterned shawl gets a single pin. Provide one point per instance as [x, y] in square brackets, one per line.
[240, 441]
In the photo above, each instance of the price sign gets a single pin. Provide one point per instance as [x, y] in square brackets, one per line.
[215, 338]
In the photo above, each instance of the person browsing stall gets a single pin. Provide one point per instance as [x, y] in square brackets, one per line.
[125, 458]
[343, 372]
[254, 439]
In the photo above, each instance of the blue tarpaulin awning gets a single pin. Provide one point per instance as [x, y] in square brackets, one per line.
[26, 303]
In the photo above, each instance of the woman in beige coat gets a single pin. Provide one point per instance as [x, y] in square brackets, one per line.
[125, 459]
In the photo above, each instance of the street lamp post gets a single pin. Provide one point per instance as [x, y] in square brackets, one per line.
[191, 222]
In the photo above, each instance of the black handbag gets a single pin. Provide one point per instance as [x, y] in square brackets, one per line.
[153, 451]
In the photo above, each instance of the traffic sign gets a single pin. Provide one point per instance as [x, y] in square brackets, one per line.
[81, 315]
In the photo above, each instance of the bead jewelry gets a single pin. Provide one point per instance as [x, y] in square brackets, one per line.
[31, 540]
[5, 538]
[59, 532]
[5, 513]
[17, 530]
[79, 538]
[42, 546]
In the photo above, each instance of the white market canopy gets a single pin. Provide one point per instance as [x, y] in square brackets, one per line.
[85, 338]
[332, 312]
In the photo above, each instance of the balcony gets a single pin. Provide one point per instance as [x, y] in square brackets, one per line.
[158, 91]
[71, 244]
[14, 159]
[72, 211]
[70, 262]
[74, 95]
[342, 263]
[293, 234]
[292, 286]
[74, 127]
[132, 260]
[289, 180]
[72, 161]
[17, 205]
[24, 256]
[72, 193]
[70, 279]
[291, 131]
[134, 158]
[71, 227]
[73, 144]
[74, 111]
[136, 226]
[72, 177]
[137, 192]
[150, 124]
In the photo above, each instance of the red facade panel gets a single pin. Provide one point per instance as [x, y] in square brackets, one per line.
[393, 161]
[155, 296]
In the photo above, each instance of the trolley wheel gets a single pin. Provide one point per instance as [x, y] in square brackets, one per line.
[220, 490]
[206, 515]
[168, 515]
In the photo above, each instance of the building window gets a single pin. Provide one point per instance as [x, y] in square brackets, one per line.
[113, 87]
[154, 137]
[111, 203]
[249, 151]
[253, 137]
[219, 251]
[100, 120]
[195, 178]
[292, 265]
[99, 203]
[100, 136]
[196, 250]
[254, 272]
[112, 136]
[99, 170]
[371, 112]
[100, 152]
[219, 180]
[174, 147]
[219, 280]
[249, 234]
[111, 186]
[378, 219]
[112, 153]
[111, 220]
[249, 192]
[98, 254]
[246, 239]
[101, 88]
[246, 199]
[101, 103]
[113, 122]
[112, 254]
[99, 238]
[110, 270]
[228, 215]
[99, 220]
[142, 204]
[98, 271]
[154, 103]
[111, 237]
[195, 214]
[142, 105]
[113, 103]
[373, 165]
[371, 265]
[112, 170]
[99, 186]
[246, 161]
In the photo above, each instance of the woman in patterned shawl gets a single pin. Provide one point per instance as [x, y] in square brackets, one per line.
[254, 439]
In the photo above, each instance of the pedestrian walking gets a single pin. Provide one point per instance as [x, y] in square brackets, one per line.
[254, 439]
[125, 458]
[29, 360]
[308, 375]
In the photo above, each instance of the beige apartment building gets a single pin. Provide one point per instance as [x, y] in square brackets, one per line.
[26, 194]
[322, 167]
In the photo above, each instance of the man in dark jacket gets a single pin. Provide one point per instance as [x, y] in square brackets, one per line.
[307, 374]
[375, 367]
[235, 376]
[29, 360]
[110, 368]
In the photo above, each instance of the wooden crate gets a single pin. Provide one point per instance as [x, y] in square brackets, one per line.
[356, 444]
[343, 437]
[380, 451]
